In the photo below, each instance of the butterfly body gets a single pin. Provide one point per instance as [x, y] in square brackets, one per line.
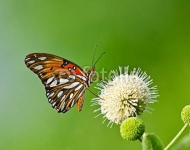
[65, 82]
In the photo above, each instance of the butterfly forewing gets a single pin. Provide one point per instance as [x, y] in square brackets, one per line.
[64, 81]
[48, 65]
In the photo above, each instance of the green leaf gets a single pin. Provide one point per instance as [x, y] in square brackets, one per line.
[183, 143]
[151, 142]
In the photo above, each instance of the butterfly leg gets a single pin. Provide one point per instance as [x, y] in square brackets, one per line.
[93, 93]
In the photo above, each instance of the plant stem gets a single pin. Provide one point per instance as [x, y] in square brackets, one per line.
[176, 137]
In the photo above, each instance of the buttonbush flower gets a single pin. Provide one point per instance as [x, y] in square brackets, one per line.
[124, 95]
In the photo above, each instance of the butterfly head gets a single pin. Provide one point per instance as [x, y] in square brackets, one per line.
[90, 75]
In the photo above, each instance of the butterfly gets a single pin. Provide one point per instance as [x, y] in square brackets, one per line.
[65, 82]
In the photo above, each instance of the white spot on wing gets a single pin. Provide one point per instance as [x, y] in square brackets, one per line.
[38, 67]
[42, 58]
[54, 83]
[78, 87]
[71, 95]
[63, 73]
[82, 77]
[50, 95]
[72, 76]
[59, 94]
[41, 75]
[63, 81]
[72, 103]
[62, 107]
[71, 85]
[27, 58]
[49, 80]
[31, 62]
[53, 104]
[63, 98]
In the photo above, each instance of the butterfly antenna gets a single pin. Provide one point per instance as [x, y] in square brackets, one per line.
[98, 59]
[94, 54]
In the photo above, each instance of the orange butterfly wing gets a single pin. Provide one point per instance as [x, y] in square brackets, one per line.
[64, 81]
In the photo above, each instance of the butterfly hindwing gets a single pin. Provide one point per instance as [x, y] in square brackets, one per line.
[64, 81]
[63, 98]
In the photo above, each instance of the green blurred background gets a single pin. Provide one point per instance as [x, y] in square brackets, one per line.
[151, 34]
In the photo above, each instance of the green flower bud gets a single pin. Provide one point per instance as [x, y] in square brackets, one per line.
[185, 114]
[132, 129]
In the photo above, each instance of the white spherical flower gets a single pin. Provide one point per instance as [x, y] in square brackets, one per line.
[125, 95]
